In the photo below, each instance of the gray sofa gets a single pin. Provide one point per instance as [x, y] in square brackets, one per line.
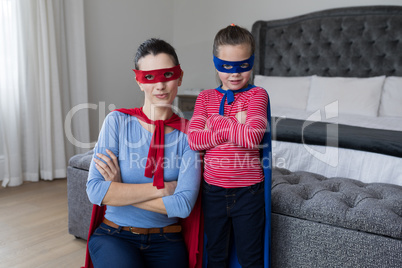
[316, 222]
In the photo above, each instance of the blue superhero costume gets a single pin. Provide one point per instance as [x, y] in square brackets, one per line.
[265, 154]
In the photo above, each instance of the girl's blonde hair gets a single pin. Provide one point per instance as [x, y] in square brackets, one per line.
[233, 35]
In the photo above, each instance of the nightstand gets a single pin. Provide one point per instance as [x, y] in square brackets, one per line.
[185, 103]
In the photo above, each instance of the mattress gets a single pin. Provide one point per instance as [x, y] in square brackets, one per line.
[333, 161]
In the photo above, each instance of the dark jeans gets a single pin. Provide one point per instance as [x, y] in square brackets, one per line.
[241, 209]
[111, 247]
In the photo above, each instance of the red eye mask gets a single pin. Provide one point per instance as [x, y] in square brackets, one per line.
[160, 75]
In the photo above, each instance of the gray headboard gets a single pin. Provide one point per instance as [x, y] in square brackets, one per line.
[350, 42]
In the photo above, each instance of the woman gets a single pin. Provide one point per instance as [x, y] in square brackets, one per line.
[141, 223]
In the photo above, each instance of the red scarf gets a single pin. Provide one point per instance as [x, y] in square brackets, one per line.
[154, 166]
[192, 227]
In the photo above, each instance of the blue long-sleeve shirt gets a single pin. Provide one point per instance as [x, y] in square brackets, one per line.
[130, 142]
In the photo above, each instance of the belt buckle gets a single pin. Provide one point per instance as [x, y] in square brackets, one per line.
[131, 230]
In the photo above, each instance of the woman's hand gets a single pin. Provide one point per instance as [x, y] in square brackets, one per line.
[169, 189]
[109, 170]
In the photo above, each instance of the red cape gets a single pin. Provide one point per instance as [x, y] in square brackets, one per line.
[192, 227]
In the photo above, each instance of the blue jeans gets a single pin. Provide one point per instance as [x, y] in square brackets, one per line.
[241, 209]
[111, 247]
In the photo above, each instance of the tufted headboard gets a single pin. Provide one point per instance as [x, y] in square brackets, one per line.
[349, 42]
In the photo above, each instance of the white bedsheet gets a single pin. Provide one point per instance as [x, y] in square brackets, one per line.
[337, 162]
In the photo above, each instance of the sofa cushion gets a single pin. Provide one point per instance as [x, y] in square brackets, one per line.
[81, 161]
[373, 208]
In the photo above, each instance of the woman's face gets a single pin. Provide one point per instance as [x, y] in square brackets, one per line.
[159, 93]
[234, 81]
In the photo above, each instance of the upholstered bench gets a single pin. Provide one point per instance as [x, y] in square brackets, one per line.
[316, 222]
[79, 207]
[337, 222]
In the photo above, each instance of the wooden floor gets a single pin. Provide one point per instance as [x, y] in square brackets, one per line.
[33, 227]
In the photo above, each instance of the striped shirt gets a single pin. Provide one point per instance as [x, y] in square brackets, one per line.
[232, 157]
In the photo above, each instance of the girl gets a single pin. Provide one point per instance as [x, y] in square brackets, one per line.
[145, 183]
[229, 123]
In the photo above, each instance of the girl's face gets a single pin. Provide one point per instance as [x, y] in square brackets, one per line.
[234, 81]
[159, 93]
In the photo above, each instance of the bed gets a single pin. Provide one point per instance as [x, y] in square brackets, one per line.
[335, 82]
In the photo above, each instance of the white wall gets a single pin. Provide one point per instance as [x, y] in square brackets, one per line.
[114, 29]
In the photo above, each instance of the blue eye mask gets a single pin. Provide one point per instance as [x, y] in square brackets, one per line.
[234, 66]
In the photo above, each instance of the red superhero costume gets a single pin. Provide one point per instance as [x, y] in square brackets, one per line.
[192, 228]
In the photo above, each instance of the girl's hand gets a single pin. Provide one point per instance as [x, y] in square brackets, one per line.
[111, 170]
[209, 123]
[241, 117]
